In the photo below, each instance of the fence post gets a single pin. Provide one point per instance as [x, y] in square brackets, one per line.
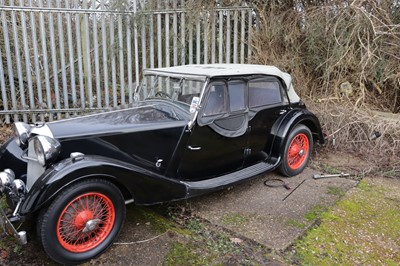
[105, 61]
[27, 62]
[86, 54]
[9, 63]
[96, 58]
[3, 88]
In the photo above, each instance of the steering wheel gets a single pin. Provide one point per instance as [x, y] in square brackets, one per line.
[161, 93]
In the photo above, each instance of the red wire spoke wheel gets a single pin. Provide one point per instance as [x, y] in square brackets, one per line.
[298, 151]
[82, 221]
[85, 222]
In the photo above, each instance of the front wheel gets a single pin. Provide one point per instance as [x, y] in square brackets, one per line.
[82, 222]
[297, 151]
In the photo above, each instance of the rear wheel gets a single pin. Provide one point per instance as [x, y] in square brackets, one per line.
[82, 222]
[297, 151]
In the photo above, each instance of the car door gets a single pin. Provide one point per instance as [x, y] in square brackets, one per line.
[267, 101]
[217, 141]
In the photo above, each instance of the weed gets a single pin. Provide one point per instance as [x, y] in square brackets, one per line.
[195, 225]
[314, 213]
[171, 212]
[295, 223]
[221, 244]
[326, 168]
[3, 203]
[17, 249]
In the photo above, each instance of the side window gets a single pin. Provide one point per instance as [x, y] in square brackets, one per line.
[216, 101]
[264, 92]
[236, 95]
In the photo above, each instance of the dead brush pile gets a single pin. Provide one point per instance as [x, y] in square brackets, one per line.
[344, 57]
[5, 132]
[373, 136]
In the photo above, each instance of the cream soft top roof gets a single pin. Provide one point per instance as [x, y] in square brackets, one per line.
[216, 70]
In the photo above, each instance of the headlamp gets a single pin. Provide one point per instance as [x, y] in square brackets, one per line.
[46, 149]
[6, 179]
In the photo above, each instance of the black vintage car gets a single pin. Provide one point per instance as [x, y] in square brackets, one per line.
[191, 130]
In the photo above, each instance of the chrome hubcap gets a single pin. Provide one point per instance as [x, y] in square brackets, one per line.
[91, 225]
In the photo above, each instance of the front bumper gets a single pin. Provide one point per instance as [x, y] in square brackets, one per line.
[10, 230]
[14, 190]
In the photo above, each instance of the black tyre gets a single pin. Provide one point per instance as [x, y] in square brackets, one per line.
[82, 222]
[297, 151]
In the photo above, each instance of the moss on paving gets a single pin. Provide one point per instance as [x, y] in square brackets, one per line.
[363, 229]
[158, 223]
[202, 248]
[186, 254]
[200, 245]
[208, 245]
[314, 213]
[337, 191]
[235, 219]
[295, 223]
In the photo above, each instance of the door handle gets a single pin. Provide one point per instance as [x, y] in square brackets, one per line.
[281, 112]
[194, 148]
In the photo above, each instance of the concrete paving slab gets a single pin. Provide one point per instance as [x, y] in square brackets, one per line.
[260, 213]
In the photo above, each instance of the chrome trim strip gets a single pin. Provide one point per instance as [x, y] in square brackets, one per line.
[129, 201]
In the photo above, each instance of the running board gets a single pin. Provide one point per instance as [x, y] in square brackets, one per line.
[204, 186]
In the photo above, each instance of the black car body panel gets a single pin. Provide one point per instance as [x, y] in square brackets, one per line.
[137, 183]
[131, 135]
[142, 116]
[11, 154]
[280, 131]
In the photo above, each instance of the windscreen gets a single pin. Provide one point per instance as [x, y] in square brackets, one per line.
[180, 90]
